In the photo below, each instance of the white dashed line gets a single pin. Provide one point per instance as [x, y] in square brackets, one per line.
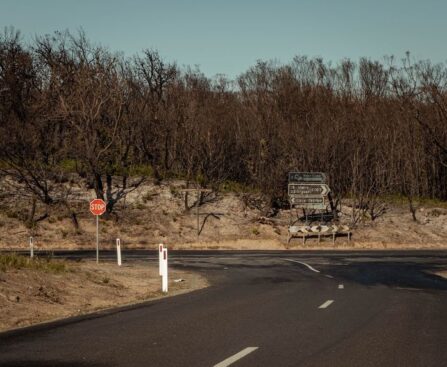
[307, 265]
[341, 286]
[236, 357]
[326, 304]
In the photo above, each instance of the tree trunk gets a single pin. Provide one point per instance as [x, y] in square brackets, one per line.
[32, 213]
[412, 207]
[99, 188]
[72, 215]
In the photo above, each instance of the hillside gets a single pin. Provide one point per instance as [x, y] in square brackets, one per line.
[156, 213]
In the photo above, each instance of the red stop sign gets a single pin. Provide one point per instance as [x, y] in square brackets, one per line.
[97, 207]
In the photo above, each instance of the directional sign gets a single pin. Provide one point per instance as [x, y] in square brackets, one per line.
[307, 177]
[307, 200]
[308, 189]
[316, 202]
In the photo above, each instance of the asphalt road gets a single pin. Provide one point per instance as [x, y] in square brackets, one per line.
[263, 309]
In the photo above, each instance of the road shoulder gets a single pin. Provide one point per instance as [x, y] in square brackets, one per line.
[29, 296]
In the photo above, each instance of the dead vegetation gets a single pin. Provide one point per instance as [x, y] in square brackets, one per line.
[76, 113]
[155, 213]
[11, 261]
[83, 122]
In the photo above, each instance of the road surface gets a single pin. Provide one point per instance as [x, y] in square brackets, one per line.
[263, 309]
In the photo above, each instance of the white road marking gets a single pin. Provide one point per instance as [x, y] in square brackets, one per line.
[236, 357]
[329, 276]
[300, 262]
[341, 286]
[326, 304]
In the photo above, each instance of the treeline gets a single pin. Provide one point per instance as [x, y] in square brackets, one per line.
[66, 104]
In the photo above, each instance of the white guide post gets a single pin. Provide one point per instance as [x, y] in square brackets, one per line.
[118, 251]
[164, 277]
[160, 259]
[31, 247]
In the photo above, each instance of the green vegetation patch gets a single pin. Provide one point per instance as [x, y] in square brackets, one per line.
[399, 199]
[68, 165]
[237, 187]
[15, 261]
[141, 170]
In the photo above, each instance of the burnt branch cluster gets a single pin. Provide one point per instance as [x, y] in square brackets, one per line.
[70, 108]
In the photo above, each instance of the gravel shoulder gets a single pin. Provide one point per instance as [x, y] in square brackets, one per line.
[30, 296]
[442, 273]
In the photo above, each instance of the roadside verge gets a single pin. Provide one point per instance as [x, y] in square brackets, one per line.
[31, 294]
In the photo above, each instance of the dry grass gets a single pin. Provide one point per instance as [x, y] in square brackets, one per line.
[15, 261]
[31, 293]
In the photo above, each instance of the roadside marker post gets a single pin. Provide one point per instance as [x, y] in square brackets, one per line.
[164, 279]
[118, 251]
[31, 247]
[160, 259]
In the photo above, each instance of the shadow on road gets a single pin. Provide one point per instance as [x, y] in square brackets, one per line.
[402, 275]
[51, 363]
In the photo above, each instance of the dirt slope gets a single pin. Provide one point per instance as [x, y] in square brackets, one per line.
[156, 213]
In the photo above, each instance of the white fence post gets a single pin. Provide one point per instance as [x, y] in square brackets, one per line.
[160, 259]
[118, 251]
[164, 279]
[31, 247]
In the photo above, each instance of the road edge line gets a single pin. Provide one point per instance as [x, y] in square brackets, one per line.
[326, 304]
[303, 263]
[235, 357]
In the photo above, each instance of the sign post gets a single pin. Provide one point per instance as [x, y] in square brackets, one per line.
[97, 208]
[97, 239]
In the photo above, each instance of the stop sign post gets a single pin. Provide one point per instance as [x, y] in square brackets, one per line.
[97, 208]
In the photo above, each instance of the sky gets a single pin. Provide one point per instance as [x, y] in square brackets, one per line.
[229, 36]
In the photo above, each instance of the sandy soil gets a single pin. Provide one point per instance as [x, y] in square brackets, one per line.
[156, 213]
[442, 273]
[31, 296]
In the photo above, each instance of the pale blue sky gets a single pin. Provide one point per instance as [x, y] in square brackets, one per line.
[229, 36]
